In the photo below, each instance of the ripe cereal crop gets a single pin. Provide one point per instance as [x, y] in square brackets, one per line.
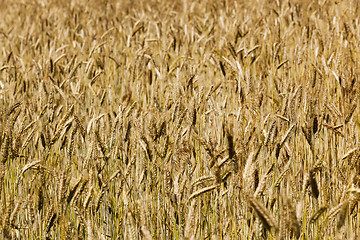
[179, 119]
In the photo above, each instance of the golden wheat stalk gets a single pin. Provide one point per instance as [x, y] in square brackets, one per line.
[202, 191]
[265, 217]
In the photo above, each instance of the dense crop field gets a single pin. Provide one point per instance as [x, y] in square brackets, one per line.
[179, 119]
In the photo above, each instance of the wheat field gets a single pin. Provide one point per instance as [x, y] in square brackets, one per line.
[179, 119]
